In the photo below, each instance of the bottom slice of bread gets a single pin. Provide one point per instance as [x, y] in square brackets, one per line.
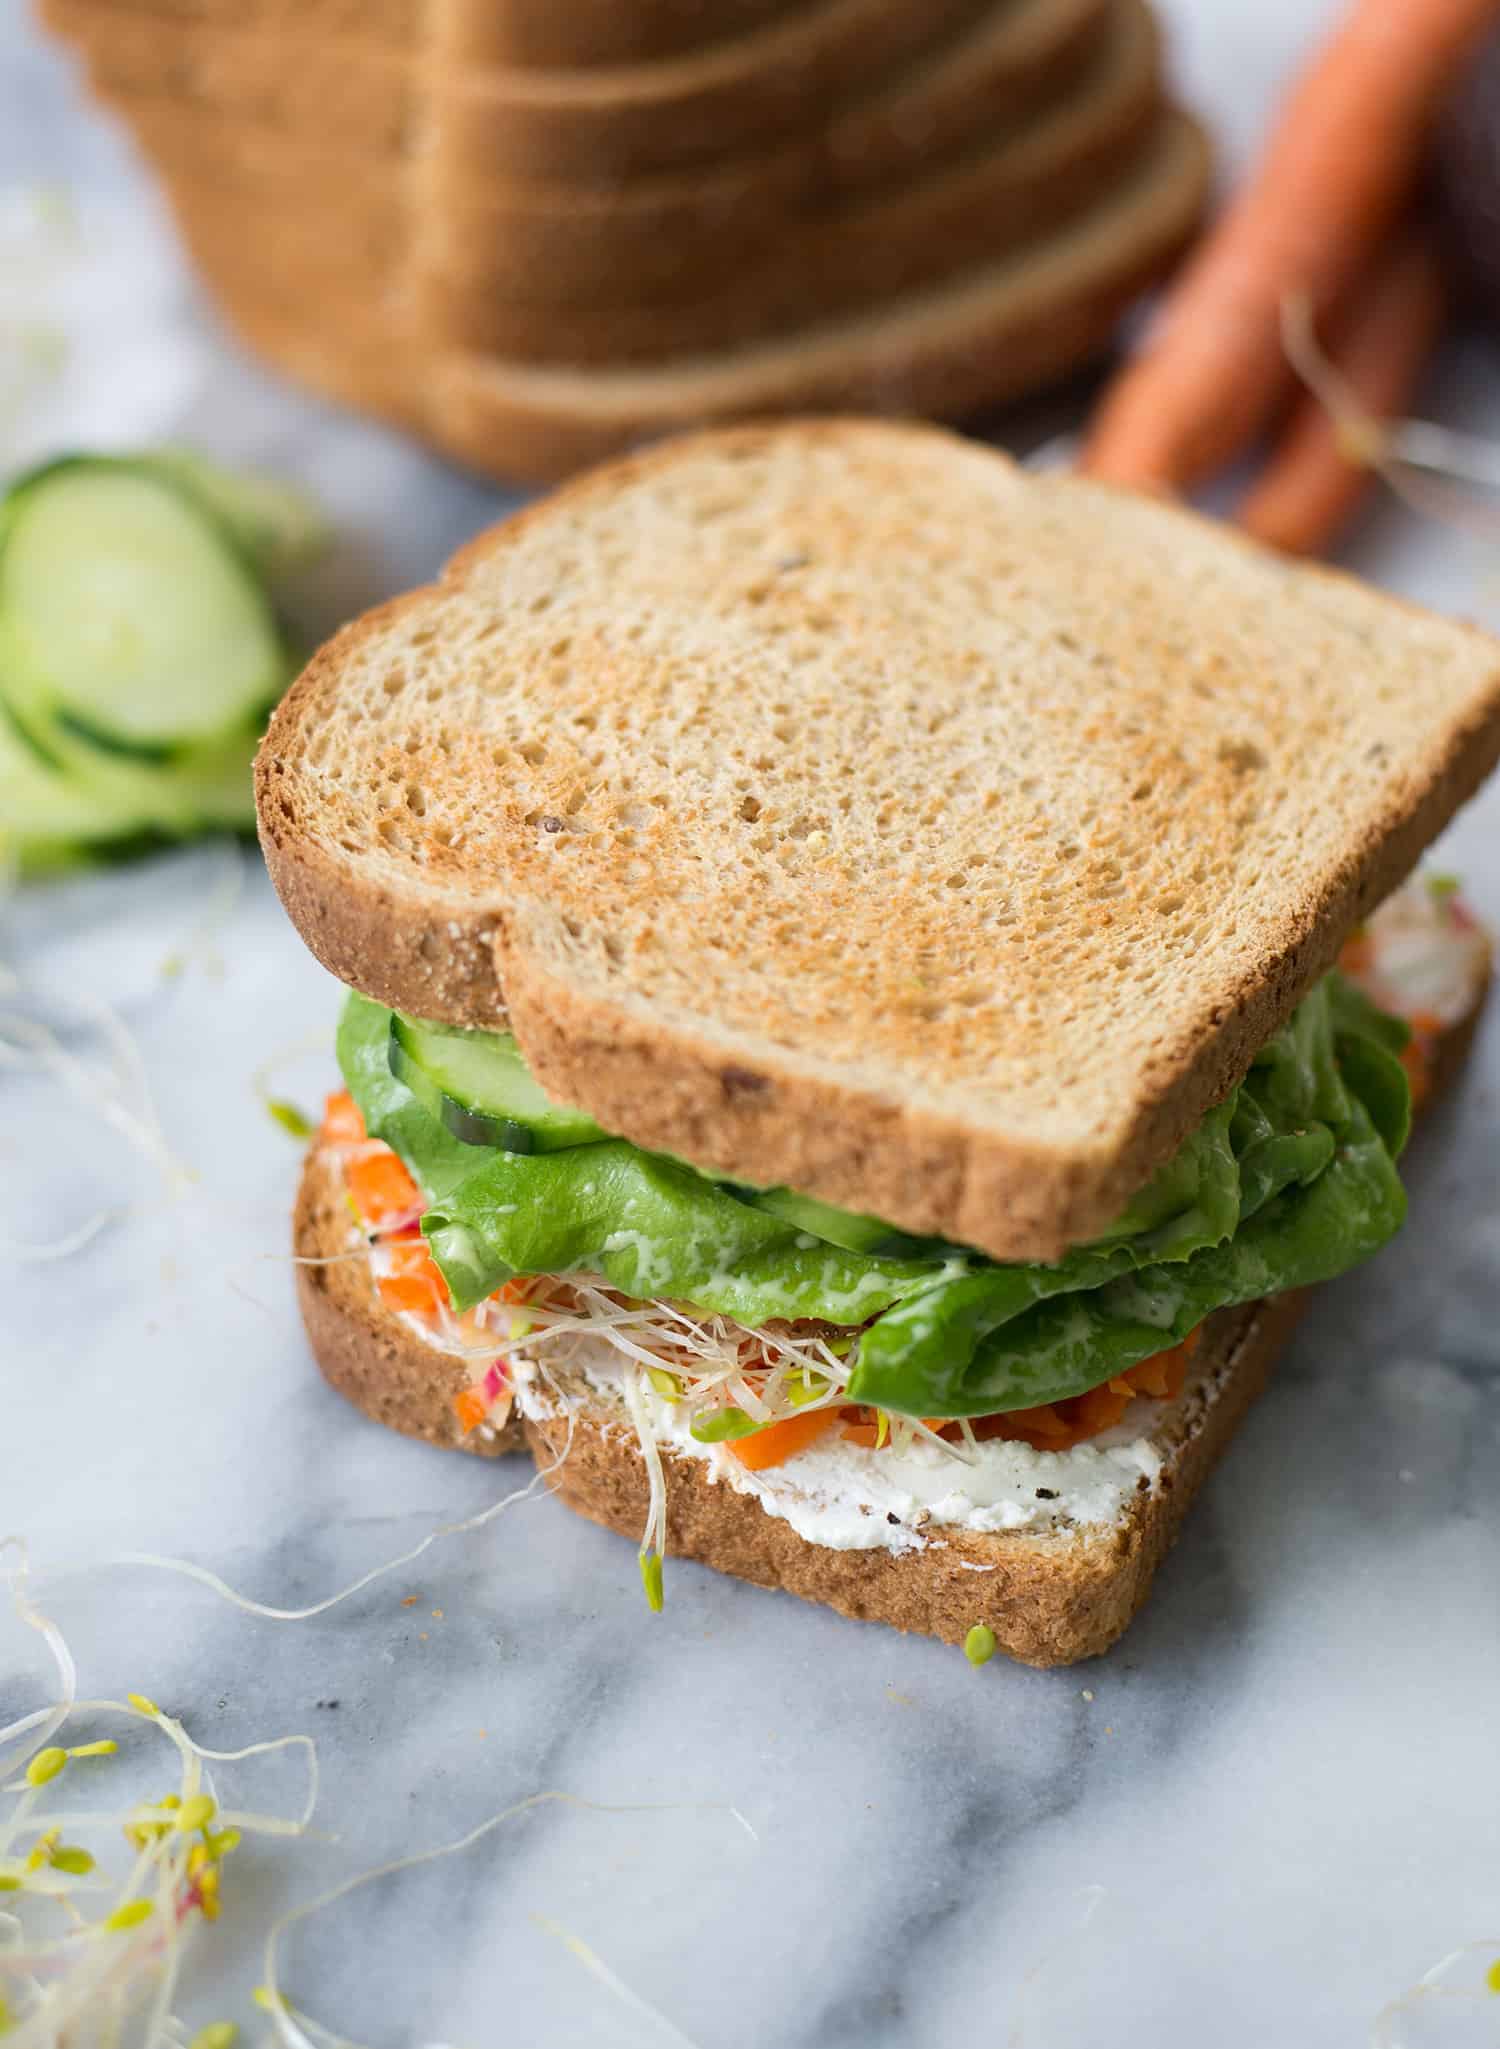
[1053, 1591]
[1051, 1594]
[374, 1357]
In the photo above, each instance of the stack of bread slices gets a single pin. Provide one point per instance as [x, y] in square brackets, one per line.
[537, 232]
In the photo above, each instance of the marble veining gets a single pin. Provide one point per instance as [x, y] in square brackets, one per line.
[1257, 1822]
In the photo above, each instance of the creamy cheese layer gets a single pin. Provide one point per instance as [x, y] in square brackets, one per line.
[850, 1498]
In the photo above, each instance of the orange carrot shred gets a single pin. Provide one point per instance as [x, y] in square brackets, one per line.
[1419, 1079]
[783, 1440]
[471, 1408]
[382, 1188]
[412, 1257]
[342, 1123]
[402, 1291]
[414, 1282]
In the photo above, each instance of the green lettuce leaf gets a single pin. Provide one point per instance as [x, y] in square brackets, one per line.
[1320, 1194]
[1291, 1180]
[652, 1228]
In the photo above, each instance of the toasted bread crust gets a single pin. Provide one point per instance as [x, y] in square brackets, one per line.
[470, 957]
[362, 1347]
[1051, 1597]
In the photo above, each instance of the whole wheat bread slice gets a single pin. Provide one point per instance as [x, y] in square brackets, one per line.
[341, 241]
[1008, 64]
[709, 264]
[495, 257]
[984, 67]
[839, 806]
[1052, 1595]
[976, 340]
[358, 364]
[528, 246]
[361, 95]
[684, 240]
[988, 335]
[583, 124]
[591, 34]
[396, 22]
[514, 32]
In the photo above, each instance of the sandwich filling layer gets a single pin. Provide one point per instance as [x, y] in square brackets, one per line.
[760, 1329]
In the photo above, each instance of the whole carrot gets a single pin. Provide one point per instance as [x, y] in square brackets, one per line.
[1313, 480]
[1337, 174]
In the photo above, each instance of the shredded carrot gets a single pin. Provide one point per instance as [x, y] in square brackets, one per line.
[1099, 1409]
[516, 1290]
[400, 1291]
[414, 1282]
[382, 1188]
[471, 1408]
[342, 1123]
[1052, 1426]
[1426, 1024]
[1044, 1427]
[1150, 1377]
[862, 1427]
[1418, 1075]
[1163, 1375]
[783, 1440]
[1058, 1426]
[413, 1258]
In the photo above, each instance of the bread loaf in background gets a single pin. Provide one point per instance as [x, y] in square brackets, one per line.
[532, 248]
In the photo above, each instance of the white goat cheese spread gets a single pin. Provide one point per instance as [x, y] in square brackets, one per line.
[849, 1498]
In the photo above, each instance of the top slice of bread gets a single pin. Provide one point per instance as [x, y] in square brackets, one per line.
[838, 805]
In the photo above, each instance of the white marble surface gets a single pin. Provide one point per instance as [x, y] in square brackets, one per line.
[1274, 1806]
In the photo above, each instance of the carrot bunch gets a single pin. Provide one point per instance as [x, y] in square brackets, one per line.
[1327, 221]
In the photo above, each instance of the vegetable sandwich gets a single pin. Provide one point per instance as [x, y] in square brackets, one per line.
[876, 980]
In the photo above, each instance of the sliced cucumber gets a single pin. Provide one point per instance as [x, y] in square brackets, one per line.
[130, 616]
[279, 525]
[56, 811]
[202, 787]
[41, 802]
[218, 785]
[480, 1087]
[842, 1227]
